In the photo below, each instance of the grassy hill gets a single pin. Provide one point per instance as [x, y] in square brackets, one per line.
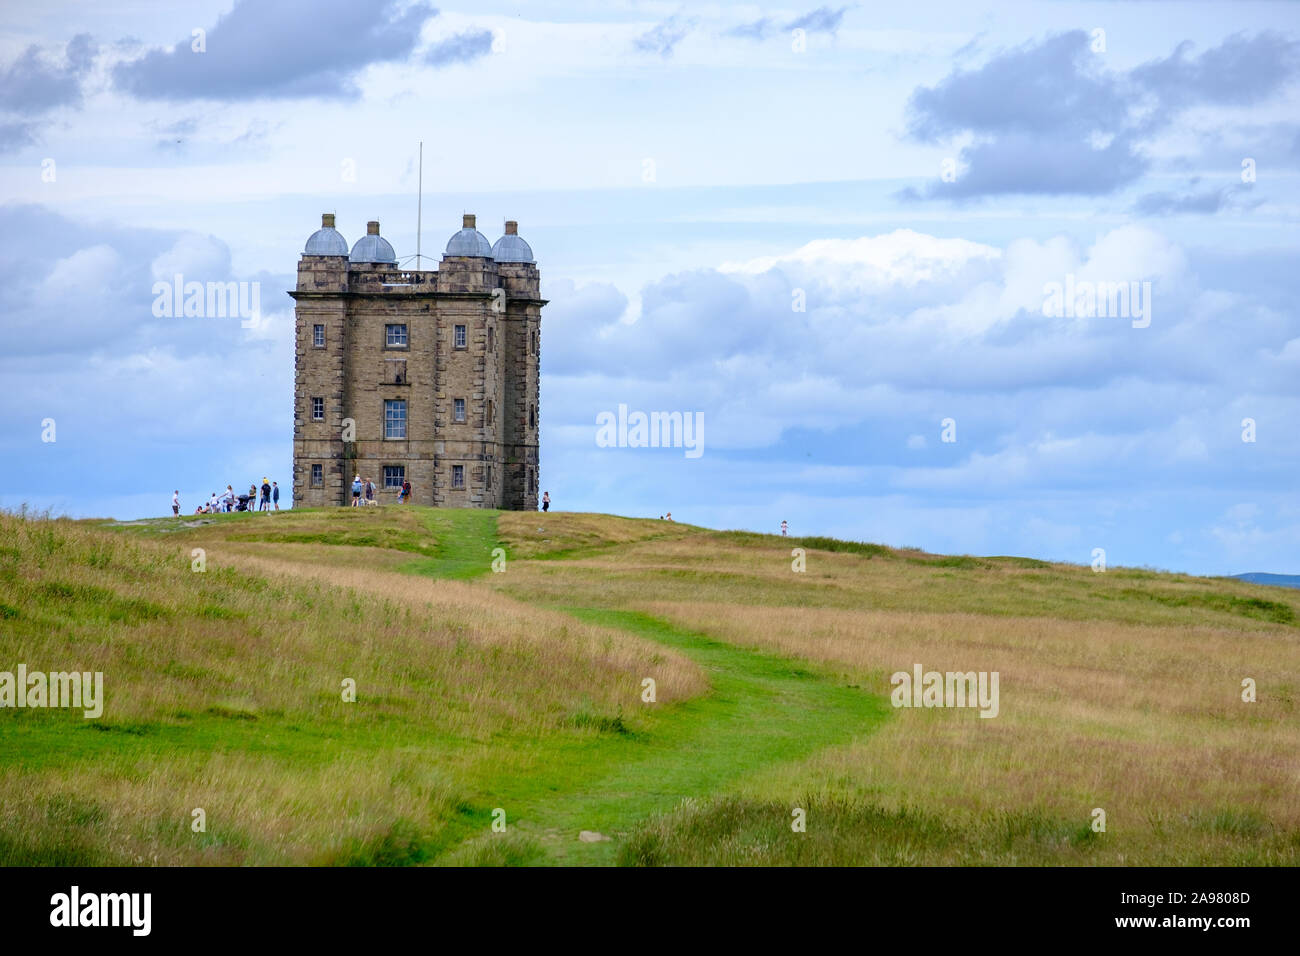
[518, 695]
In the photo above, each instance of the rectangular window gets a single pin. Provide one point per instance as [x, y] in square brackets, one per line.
[458, 476]
[394, 418]
[394, 475]
[458, 406]
[395, 336]
[460, 336]
[317, 475]
[532, 416]
[491, 414]
[318, 336]
[395, 371]
[534, 343]
[489, 476]
[318, 409]
[491, 338]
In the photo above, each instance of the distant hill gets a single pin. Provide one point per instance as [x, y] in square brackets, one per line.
[1277, 580]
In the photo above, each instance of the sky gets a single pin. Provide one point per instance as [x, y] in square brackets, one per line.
[830, 232]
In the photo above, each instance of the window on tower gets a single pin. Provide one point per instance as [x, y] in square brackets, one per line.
[394, 475]
[395, 336]
[460, 337]
[318, 409]
[394, 418]
[458, 409]
[317, 475]
[458, 476]
[318, 336]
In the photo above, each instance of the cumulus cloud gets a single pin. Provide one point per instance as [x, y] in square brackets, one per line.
[1050, 118]
[290, 49]
[34, 83]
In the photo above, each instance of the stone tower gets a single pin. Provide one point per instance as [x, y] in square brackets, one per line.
[429, 376]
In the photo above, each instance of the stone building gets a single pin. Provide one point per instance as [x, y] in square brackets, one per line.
[421, 375]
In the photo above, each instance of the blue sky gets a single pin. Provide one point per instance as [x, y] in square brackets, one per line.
[1103, 141]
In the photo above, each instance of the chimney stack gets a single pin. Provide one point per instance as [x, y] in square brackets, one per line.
[469, 221]
[512, 227]
[372, 228]
[327, 220]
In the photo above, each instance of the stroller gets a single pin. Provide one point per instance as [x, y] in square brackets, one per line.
[245, 503]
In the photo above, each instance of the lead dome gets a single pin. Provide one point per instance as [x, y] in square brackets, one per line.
[511, 247]
[469, 241]
[326, 241]
[372, 247]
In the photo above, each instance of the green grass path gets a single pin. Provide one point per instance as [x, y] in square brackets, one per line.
[763, 711]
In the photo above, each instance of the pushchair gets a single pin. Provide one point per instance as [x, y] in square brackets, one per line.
[245, 503]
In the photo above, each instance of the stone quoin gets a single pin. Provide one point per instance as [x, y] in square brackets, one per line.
[429, 376]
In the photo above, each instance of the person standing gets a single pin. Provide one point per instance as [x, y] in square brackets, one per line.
[176, 502]
[546, 501]
[356, 490]
[370, 492]
[275, 495]
[784, 528]
[265, 504]
[404, 496]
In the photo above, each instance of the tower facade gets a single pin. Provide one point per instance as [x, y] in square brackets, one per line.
[427, 376]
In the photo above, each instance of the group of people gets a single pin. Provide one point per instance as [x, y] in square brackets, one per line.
[228, 501]
[363, 492]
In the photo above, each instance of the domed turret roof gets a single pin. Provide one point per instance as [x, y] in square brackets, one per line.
[326, 240]
[372, 247]
[511, 247]
[469, 241]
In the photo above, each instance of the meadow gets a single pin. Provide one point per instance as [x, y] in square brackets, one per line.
[519, 697]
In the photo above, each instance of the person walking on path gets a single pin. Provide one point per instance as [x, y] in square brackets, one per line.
[275, 494]
[546, 501]
[176, 502]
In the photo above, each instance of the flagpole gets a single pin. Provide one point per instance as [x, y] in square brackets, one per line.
[419, 208]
